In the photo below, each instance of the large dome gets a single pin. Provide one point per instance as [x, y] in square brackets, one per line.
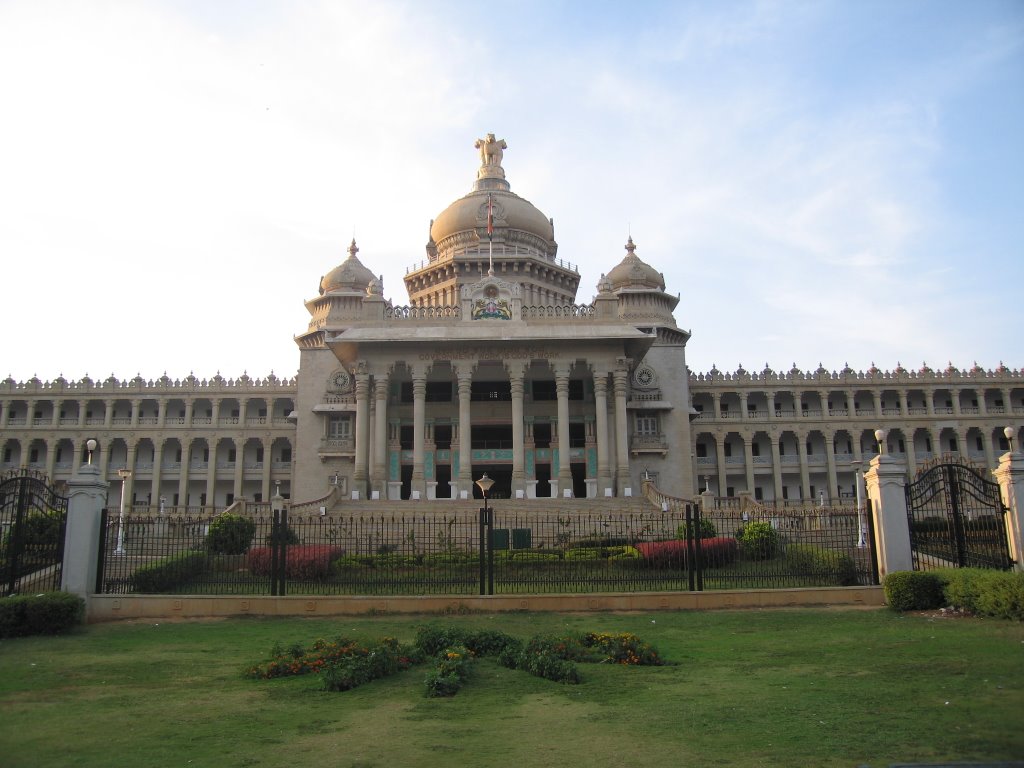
[509, 211]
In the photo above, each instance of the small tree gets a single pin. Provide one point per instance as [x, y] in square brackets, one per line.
[230, 535]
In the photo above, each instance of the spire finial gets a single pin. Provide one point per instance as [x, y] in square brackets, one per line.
[629, 246]
[353, 249]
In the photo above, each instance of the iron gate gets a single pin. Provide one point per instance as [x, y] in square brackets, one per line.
[957, 519]
[33, 517]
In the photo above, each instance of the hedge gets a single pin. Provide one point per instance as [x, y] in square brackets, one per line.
[715, 552]
[913, 590]
[169, 574]
[808, 560]
[51, 613]
[985, 592]
[305, 562]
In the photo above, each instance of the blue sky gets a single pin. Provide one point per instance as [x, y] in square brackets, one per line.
[820, 182]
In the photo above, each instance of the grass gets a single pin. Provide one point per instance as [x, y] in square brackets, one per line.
[749, 688]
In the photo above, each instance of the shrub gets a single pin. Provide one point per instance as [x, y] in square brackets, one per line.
[808, 560]
[759, 540]
[51, 613]
[622, 648]
[373, 663]
[673, 554]
[304, 562]
[230, 534]
[170, 573]
[913, 590]
[707, 529]
[451, 669]
[999, 594]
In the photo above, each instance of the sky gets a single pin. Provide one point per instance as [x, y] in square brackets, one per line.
[820, 182]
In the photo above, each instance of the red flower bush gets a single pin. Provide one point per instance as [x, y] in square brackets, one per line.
[303, 562]
[717, 551]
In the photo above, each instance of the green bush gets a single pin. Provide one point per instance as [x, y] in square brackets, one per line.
[913, 590]
[51, 613]
[230, 534]
[284, 536]
[759, 540]
[169, 574]
[707, 529]
[809, 560]
[999, 594]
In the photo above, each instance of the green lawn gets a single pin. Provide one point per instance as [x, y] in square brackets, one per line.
[750, 688]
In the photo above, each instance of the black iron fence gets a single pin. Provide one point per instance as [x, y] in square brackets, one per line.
[33, 517]
[492, 553]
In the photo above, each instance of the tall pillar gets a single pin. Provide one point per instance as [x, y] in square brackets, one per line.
[183, 474]
[211, 471]
[136, 408]
[604, 477]
[777, 468]
[830, 459]
[82, 407]
[562, 390]
[516, 373]
[108, 416]
[1010, 476]
[723, 472]
[885, 480]
[748, 462]
[743, 408]
[157, 477]
[464, 373]
[161, 412]
[904, 405]
[267, 466]
[239, 467]
[622, 478]
[805, 476]
[929, 400]
[359, 474]
[419, 429]
[87, 494]
[379, 472]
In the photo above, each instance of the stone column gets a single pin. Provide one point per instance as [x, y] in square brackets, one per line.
[108, 415]
[830, 460]
[748, 462]
[82, 407]
[885, 481]
[211, 471]
[743, 407]
[716, 400]
[215, 412]
[464, 373]
[379, 473]
[604, 476]
[955, 394]
[87, 494]
[239, 467]
[1010, 476]
[161, 412]
[183, 474]
[562, 390]
[805, 475]
[188, 413]
[622, 478]
[777, 468]
[158, 462]
[723, 472]
[136, 408]
[419, 429]
[516, 373]
[267, 466]
[929, 400]
[359, 474]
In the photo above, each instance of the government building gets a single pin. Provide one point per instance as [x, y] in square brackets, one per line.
[492, 366]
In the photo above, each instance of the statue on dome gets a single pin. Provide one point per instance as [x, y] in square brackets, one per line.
[490, 151]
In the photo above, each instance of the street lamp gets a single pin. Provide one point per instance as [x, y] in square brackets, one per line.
[486, 525]
[880, 437]
[1009, 432]
[90, 446]
[125, 475]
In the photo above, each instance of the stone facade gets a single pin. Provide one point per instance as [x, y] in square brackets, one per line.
[493, 367]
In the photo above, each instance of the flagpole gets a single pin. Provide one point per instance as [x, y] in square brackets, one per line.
[490, 237]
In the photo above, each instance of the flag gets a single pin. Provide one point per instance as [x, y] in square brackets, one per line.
[490, 217]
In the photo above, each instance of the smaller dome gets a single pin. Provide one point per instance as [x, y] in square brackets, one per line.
[350, 275]
[632, 272]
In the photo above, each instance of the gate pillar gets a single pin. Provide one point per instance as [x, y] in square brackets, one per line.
[1010, 476]
[885, 481]
[87, 493]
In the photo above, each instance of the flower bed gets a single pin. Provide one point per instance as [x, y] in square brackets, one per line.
[716, 551]
[303, 562]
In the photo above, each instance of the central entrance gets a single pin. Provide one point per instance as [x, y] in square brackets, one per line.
[501, 474]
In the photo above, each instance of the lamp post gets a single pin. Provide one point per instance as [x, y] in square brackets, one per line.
[125, 475]
[90, 446]
[486, 545]
[880, 437]
[1008, 432]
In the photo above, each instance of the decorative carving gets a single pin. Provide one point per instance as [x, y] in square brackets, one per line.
[644, 377]
[490, 152]
[340, 381]
[492, 306]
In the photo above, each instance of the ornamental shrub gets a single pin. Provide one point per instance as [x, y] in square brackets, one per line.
[913, 590]
[303, 562]
[230, 534]
[985, 592]
[707, 529]
[808, 560]
[450, 671]
[715, 552]
[51, 613]
[758, 540]
[169, 574]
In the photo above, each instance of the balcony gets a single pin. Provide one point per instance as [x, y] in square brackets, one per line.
[648, 444]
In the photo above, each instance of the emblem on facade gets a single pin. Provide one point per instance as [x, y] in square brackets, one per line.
[340, 381]
[491, 306]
